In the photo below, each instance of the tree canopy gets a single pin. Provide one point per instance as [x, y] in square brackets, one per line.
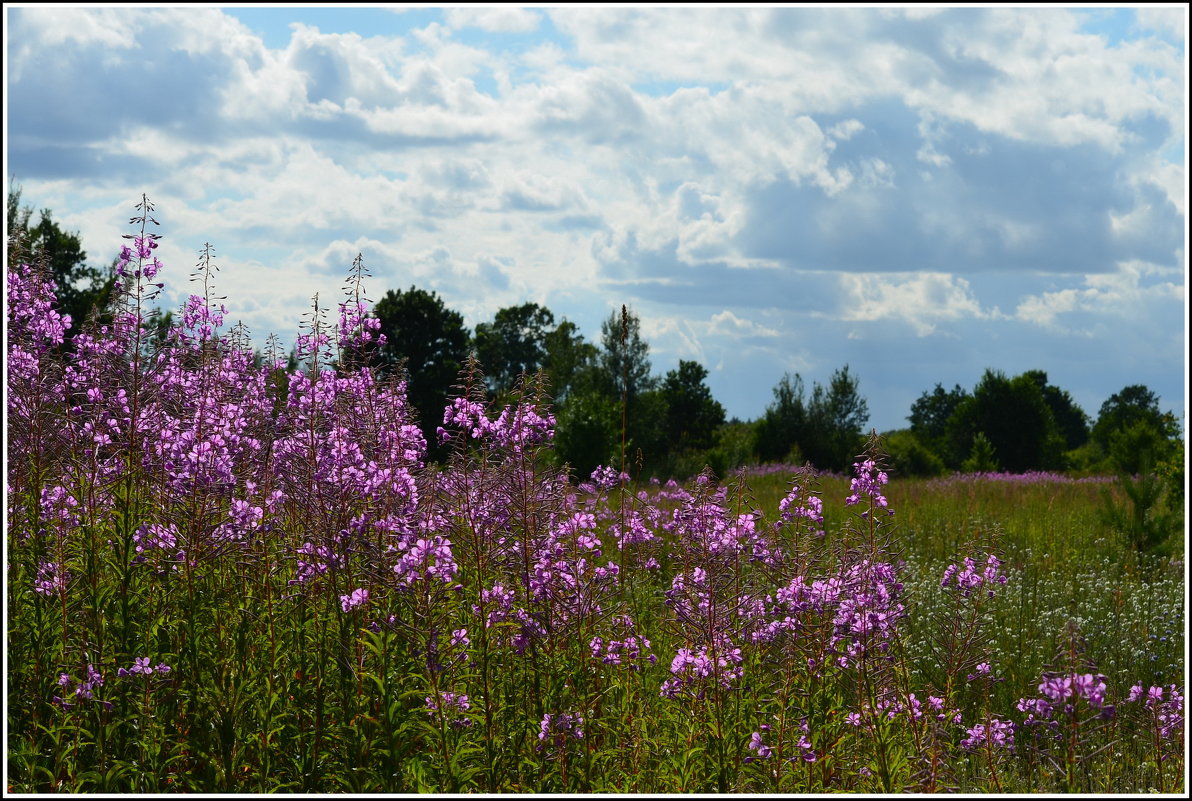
[513, 344]
[427, 340]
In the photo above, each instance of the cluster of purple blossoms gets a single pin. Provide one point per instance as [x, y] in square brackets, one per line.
[51, 579]
[82, 690]
[449, 707]
[202, 318]
[1169, 713]
[554, 731]
[516, 428]
[357, 327]
[499, 605]
[756, 744]
[321, 559]
[971, 577]
[690, 597]
[1062, 692]
[356, 598]
[520, 427]
[935, 706]
[637, 528]
[998, 734]
[984, 671]
[145, 245]
[425, 559]
[1065, 688]
[499, 609]
[34, 325]
[467, 415]
[606, 478]
[141, 666]
[692, 672]
[806, 750]
[566, 577]
[58, 504]
[869, 482]
[798, 504]
[622, 652]
[867, 610]
[152, 537]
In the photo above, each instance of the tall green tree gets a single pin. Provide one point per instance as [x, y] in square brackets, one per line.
[588, 431]
[836, 419]
[513, 344]
[929, 420]
[625, 355]
[826, 430]
[429, 342]
[570, 361]
[81, 288]
[692, 414]
[1014, 417]
[784, 421]
[1070, 420]
[1131, 405]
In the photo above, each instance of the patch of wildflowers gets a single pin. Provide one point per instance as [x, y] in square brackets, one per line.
[1168, 713]
[972, 577]
[868, 483]
[756, 744]
[998, 734]
[83, 690]
[450, 707]
[51, 579]
[692, 672]
[354, 599]
[556, 730]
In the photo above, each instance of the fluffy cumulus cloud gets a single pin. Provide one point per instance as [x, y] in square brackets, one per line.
[920, 193]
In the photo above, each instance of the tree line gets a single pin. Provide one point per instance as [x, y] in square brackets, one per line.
[613, 409]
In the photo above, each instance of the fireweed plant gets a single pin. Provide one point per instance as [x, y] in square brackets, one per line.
[227, 576]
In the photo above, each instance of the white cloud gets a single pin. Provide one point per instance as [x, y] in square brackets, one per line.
[922, 300]
[1172, 20]
[498, 20]
[726, 323]
[846, 129]
[1122, 295]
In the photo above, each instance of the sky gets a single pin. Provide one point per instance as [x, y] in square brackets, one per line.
[920, 193]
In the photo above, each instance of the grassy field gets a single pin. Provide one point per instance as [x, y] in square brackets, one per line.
[278, 683]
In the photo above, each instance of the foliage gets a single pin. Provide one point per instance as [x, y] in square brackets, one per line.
[1146, 522]
[589, 431]
[784, 421]
[625, 356]
[513, 344]
[1015, 417]
[1131, 405]
[929, 419]
[827, 429]
[733, 447]
[427, 342]
[692, 414]
[80, 288]
[983, 458]
[909, 457]
[570, 362]
[836, 418]
[1070, 420]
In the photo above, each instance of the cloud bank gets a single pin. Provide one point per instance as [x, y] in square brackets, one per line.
[921, 193]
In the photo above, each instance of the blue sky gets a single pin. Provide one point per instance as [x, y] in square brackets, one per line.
[921, 193]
